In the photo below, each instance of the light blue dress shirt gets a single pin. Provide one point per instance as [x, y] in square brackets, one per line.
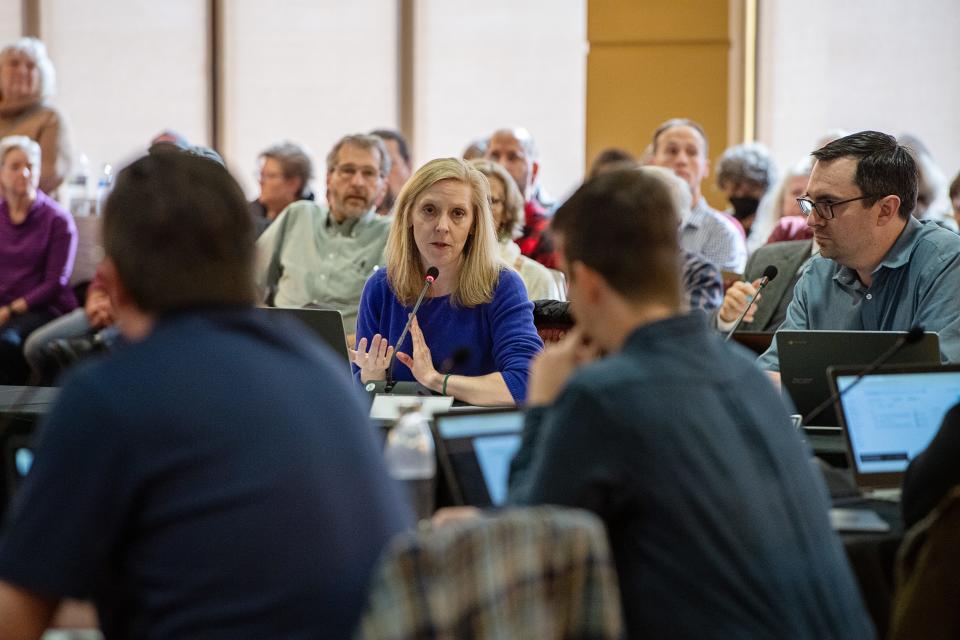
[917, 283]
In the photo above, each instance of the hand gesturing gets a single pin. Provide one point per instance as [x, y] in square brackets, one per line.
[372, 363]
[421, 363]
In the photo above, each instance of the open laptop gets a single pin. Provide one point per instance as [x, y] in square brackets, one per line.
[805, 356]
[475, 448]
[327, 324]
[890, 416]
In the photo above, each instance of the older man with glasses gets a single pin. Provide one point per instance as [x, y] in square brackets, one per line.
[879, 269]
[323, 255]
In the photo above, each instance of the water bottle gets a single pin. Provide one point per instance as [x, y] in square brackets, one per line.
[411, 459]
[78, 189]
[103, 187]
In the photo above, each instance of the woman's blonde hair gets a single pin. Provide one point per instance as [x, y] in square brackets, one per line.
[513, 215]
[479, 266]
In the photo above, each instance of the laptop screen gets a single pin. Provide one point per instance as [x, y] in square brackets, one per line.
[891, 417]
[475, 450]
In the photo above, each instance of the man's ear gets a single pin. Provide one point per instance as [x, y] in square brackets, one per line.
[889, 209]
[534, 172]
[113, 285]
[590, 284]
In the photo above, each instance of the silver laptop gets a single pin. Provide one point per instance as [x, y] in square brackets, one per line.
[326, 324]
[890, 417]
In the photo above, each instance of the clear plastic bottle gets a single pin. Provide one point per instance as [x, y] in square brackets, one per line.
[411, 458]
[78, 189]
[103, 187]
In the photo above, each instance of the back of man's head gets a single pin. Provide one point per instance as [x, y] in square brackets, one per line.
[177, 229]
[884, 167]
[623, 225]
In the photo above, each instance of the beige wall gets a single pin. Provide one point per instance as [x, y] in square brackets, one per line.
[653, 60]
[11, 22]
[122, 81]
[503, 63]
[295, 70]
[860, 64]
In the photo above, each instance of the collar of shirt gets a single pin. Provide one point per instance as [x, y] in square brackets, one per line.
[694, 216]
[346, 227]
[898, 255]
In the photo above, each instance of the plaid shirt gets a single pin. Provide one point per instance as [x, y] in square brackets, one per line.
[537, 241]
[539, 572]
[702, 283]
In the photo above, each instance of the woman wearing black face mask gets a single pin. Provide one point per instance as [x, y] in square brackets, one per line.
[745, 173]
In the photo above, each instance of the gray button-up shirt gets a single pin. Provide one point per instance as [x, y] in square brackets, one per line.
[917, 283]
[310, 258]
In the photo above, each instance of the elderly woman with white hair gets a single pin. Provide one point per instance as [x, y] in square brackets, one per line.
[27, 85]
[473, 337]
[506, 205]
[38, 243]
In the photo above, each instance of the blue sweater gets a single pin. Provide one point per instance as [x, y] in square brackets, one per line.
[499, 335]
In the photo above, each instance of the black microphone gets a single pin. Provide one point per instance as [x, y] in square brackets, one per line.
[432, 274]
[912, 336]
[768, 274]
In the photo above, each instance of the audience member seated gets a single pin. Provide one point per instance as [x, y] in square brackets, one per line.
[476, 149]
[27, 86]
[400, 166]
[701, 282]
[38, 243]
[768, 311]
[477, 306]
[879, 268]
[506, 205]
[715, 517]
[73, 336]
[516, 151]
[744, 174]
[610, 160]
[285, 175]
[933, 473]
[681, 145]
[778, 216]
[162, 487]
[322, 255]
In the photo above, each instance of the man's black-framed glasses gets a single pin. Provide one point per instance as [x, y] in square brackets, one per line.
[824, 208]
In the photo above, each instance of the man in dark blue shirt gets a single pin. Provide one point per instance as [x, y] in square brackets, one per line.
[677, 441]
[214, 478]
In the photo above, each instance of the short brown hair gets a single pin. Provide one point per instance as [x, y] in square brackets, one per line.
[615, 224]
[177, 228]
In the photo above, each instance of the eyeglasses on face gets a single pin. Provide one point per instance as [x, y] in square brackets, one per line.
[347, 171]
[824, 208]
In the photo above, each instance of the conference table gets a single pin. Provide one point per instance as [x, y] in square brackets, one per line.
[871, 555]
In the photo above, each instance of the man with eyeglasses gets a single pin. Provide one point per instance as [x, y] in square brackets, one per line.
[323, 255]
[879, 269]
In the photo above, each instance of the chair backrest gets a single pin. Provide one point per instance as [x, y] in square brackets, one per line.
[538, 572]
[928, 591]
[89, 249]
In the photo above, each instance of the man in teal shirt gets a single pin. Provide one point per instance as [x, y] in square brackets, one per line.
[323, 255]
[879, 269]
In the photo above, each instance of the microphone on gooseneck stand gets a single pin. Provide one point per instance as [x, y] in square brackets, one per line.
[912, 336]
[429, 278]
[768, 274]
